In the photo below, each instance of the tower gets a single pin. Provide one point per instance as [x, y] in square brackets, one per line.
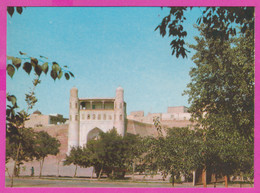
[119, 111]
[73, 134]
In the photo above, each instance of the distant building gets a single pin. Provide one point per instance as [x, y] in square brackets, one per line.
[89, 116]
[37, 119]
[175, 117]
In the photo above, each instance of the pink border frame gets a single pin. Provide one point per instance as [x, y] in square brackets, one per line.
[3, 15]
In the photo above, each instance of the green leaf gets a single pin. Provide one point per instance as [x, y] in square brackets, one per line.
[22, 53]
[27, 66]
[19, 10]
[45, 67]
[38, 70]
[9, 57]
[10, 70]
[12, 99]
[55, 67]
[54, 74]
[16, 62]
[60, 75]
[34, 62]
[10, 11]
[71, 74]
[67, 76]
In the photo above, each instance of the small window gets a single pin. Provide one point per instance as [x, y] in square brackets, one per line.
[94, 116]
[76, 105]
[120, 105]
[93, 106]
[70, 118]
[121, 117]
[70, 104]
[88, 116]
[76, 117]
[104, 116]
[99, 116]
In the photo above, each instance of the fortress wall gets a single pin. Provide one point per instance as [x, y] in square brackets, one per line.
[53, 165]
[176, 123]
[142, 129]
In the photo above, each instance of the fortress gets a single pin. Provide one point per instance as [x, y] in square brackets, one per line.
[88, 117]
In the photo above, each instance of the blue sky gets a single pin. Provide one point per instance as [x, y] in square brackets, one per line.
[104, 48]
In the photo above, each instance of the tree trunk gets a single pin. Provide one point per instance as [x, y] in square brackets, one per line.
[215, 184]
[133, 174]
[100, 173]
[6, 169]
[41, 166]
[18, 170]
[194, 178]
[15, 163]
[204, 178]
[113, 173]
[226, 181]
[92, 172]
[75, 174]
[172, 179]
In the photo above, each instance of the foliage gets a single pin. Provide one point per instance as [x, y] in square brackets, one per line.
[45, 145]
[110, 153]
[74, 156]
[24, 141]
[79, 156]
[17, 148]
[133, 149]
[11, 10]
[221, 94]
[177, 153]
[37, 65]
[220, 23]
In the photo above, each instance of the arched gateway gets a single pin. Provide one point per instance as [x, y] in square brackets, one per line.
[89, 116]
[93, 134]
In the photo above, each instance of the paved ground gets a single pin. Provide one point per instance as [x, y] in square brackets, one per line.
[84, 182]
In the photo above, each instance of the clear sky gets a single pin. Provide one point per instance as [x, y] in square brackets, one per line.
[104, 48]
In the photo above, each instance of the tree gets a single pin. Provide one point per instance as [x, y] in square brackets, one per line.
[79, 156]
[19, 147]
[176, 154]
[15, 120]
[220, 23]
[133, 151]
[221, 94]
[45, 145]
[108, 153]
[15, 130]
